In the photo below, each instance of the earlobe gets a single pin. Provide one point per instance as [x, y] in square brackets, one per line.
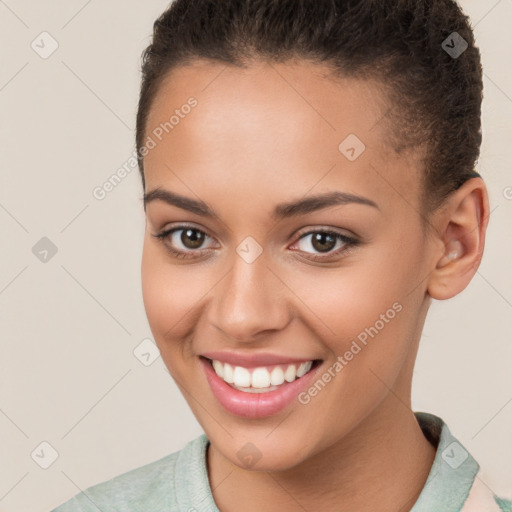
[462, 226]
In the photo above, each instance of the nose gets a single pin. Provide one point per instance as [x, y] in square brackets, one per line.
[248, 302]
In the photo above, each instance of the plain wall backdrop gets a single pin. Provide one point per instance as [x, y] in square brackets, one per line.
[71, 319]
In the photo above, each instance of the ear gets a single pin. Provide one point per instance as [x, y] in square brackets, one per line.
[461, 226]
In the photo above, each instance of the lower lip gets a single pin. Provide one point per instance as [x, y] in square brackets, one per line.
[255, 405]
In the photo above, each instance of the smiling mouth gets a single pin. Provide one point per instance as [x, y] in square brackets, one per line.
[261, 379]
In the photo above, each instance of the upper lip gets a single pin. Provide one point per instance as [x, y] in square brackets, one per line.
[256, 359]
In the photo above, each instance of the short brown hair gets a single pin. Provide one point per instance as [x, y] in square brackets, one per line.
[403, 43]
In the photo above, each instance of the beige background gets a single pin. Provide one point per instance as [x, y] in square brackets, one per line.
[68, 375]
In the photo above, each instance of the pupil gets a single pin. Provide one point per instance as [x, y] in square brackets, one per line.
[323, 242]
[192, 238]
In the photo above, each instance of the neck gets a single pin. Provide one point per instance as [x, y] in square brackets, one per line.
[382, 464]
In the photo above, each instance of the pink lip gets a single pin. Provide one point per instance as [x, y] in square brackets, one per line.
[253, 360]
[255, 405]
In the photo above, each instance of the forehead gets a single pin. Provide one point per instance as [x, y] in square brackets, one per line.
[271, 132]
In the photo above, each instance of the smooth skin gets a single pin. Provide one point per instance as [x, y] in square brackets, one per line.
[266, 135]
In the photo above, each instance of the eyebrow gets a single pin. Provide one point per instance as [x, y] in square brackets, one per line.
[281, 211]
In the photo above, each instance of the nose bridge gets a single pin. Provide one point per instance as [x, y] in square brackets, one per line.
[250, 299]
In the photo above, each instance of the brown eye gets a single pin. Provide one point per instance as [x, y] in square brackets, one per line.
[192, 238]
[184, 241]
[323, 242]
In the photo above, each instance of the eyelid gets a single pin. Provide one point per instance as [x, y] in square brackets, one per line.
[324, 229]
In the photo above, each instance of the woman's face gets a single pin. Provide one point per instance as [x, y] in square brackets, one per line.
[265, 284]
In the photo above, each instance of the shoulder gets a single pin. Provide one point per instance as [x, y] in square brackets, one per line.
[148, 487]
[121, 493]
[481, 498]
[504, 504]
[456, 481]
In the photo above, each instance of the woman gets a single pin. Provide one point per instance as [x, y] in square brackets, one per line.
[309, 187]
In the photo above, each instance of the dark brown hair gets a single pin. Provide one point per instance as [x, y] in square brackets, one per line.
[435, 94]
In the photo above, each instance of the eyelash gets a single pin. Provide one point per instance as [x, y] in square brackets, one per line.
[349, 242]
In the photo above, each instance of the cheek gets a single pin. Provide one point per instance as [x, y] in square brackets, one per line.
[364, 311]
[170, 293]
[343, 302]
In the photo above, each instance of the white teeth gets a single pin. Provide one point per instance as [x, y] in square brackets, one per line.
[260, 380]
[277, 376]
[219, 368]
[241, 377]
[228, 373]
[304, 368]
[290, 373]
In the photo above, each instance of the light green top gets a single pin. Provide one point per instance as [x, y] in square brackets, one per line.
[179, 482]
